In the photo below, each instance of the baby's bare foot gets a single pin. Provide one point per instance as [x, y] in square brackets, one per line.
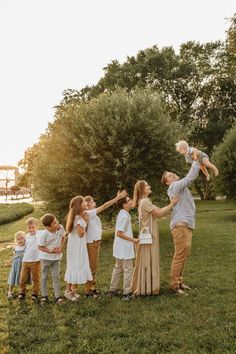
[216, 172]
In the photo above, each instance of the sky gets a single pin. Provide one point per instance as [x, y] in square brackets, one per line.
[48, 46]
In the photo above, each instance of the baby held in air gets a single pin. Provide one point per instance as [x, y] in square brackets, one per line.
[192, 154]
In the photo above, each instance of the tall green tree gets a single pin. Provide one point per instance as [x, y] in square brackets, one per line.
[225, 156]
[105, 144]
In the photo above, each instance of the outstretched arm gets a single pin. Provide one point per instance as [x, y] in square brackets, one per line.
[106, 205]
[177, 186]
[159, 212]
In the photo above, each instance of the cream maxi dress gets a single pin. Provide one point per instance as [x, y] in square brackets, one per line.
[146, 276]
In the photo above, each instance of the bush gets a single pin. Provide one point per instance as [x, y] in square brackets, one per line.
[12, 212]
[225, 159]
[109, 143]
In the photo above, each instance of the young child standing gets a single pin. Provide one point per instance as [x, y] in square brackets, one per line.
[77, 270]
[192, 154]
[30, 261]
[93, 238]
[123, 249]
[50, 245]
[16, 262]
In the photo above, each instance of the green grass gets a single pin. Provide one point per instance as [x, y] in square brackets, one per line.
[11, 212]
[204, 322]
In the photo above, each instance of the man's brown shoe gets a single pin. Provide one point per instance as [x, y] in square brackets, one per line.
[179, 292]
[184, 287]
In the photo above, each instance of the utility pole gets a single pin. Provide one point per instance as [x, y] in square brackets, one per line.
[7, 181]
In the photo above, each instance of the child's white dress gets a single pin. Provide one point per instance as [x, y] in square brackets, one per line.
[78, 269]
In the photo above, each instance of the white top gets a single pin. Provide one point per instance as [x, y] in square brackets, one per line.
[32, 252]
[51, 240]
[18, 248]
[94, 229]
[123, 249]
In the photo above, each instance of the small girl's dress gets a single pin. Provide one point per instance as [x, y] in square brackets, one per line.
[78, 269]
[14, 275]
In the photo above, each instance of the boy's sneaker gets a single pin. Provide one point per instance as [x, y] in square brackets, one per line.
[34, 297]
[91, 295]
[44, 299]
[112, 293]
[10, 296]
[21, 296]
[59, 300]
[70, 296]
[96, 292]
[126, 297]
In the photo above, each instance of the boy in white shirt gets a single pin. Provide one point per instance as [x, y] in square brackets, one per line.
[30, 261]
[50, 245]
[94, 236]
[123, 249]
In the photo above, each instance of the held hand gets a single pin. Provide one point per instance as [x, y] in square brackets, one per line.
[121, 194]
[57, 250]
[136, 240]
[174, 200]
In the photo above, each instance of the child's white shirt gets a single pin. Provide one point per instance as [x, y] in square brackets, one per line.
[94, 229]
[123, 249]
[32, 252]
[51, 240]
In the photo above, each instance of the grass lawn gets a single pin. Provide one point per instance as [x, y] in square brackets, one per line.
[203, 322]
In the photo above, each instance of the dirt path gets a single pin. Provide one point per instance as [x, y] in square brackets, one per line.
[4, 245]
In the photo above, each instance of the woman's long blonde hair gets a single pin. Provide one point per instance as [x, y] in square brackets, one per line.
[139, 189]
[74, 209]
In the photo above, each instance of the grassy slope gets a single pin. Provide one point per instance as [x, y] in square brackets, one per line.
[204, 322]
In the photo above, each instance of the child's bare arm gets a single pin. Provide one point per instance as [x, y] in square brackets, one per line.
[127, 238]
[106, 205]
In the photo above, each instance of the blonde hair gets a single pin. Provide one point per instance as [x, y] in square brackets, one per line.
[18, 233]
[88, 198]
[139, 189]
[31, 221]
[74, 209]
[163, 178]
[182, 144]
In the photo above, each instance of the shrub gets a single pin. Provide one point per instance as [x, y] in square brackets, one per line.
[12, 212]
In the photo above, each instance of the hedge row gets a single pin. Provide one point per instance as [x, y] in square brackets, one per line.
[12, 212]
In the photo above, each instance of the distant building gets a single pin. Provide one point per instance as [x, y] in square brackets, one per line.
[9, 176]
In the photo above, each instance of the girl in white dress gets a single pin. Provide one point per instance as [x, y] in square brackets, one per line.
[78, 269]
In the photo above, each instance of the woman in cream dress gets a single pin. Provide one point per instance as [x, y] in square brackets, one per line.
[146, 276]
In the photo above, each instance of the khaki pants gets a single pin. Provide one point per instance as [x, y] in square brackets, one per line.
[93, 253]
[126, 266]
[28, 268]
[182, 238]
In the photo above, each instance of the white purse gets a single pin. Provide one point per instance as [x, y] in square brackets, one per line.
[145, 237]
[145, 234]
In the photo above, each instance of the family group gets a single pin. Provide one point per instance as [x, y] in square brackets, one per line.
[40, 251]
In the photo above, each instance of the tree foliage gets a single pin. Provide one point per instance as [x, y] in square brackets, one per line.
[105, 144]
[225, 157]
